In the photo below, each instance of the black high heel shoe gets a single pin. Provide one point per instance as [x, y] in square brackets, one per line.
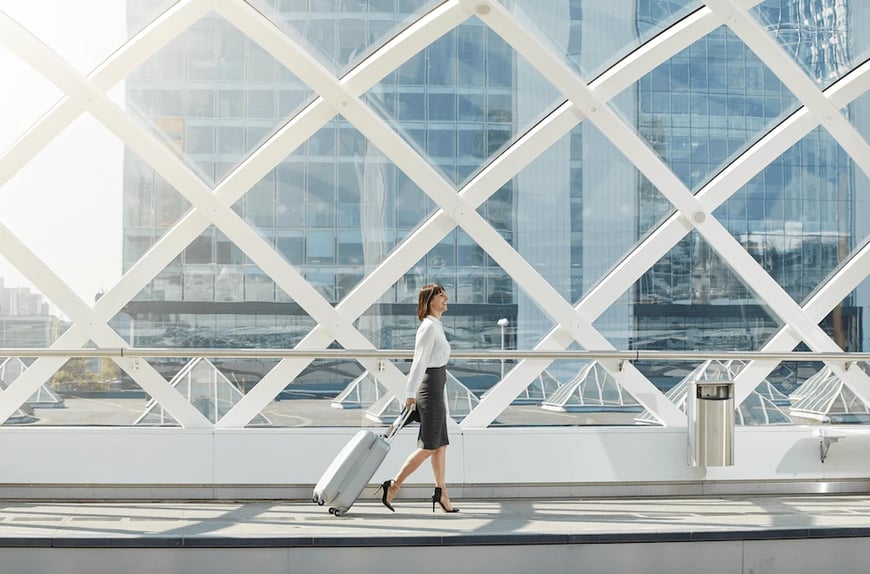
[436, 497]
[386, 488]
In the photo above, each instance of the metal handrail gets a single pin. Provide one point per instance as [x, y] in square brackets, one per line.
[621, 355]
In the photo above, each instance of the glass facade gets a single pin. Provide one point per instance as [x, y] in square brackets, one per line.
[336, 207]
[363, 169]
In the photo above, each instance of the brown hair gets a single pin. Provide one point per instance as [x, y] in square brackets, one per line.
[424, 300]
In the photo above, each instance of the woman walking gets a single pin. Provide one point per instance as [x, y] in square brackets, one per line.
[424, 390]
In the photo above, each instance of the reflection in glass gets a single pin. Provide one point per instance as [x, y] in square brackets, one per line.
[463, 99]
[192, 93]
[592, 36]
[817, 35]
[691, 300]
[341, 34]
[705, 105]
[797, 236]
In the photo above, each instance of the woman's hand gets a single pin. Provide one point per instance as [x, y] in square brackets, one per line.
[409, 403]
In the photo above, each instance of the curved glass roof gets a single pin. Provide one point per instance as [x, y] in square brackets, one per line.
[622, 175]
[826, 398]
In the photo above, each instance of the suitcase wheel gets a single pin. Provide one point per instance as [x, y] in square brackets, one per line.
[335, 511]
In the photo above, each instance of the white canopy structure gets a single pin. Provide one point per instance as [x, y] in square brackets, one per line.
[592, 389]
[207, 389]
[43, 398]
[19, 417]
[824, 397]
[767, 390]
[757, 409]
[362, 392]
[541, 389]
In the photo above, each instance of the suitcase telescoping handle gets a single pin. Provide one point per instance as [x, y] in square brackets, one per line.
[398, 423]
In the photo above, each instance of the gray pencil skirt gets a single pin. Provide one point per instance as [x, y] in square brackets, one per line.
[432, 410]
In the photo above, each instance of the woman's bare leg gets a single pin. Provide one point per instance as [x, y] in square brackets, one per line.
[439, 465]
[412, 463]
[439, 469]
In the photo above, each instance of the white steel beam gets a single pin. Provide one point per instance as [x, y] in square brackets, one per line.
[422, 173]
[794, 78]
[176, 173]
[828, 114]
[712, 195]
[135, 51]
[355, 84]
[358, 81]
[138, 48]
[633, 147]
[117, 67]
[59, 72]
[165, 161]
[182, 233]
[622, 75]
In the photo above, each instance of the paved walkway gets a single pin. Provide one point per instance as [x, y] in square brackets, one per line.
[297, 523]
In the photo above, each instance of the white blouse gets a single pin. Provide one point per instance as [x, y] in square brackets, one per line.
[431, 349]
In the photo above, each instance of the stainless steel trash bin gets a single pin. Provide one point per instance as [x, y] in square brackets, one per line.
[710, 411]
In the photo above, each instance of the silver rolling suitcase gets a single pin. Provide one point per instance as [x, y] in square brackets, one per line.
[354, 467]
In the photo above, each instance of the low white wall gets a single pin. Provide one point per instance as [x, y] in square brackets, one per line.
[495, 456]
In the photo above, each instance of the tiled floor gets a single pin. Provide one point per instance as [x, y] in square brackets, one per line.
[295, 523]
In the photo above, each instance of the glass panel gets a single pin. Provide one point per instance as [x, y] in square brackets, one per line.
[576, 210]
[689, 300]
[208, 388]
[212, 296]
[665, 375]
[334, 208]
[484, 310]
[823, 397]
[825, 38]
[593, 36]
[65, 206]
[340, 393]
[796, 217]
[27, 317]
[570, 393]
[83, 392]
[11, 369]
[327, 393]
[765, 405]
[463, 99]
[844, 323]
[859, 113]
[150, 205]
[340, 34]
[212, 94]
[706, 105]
